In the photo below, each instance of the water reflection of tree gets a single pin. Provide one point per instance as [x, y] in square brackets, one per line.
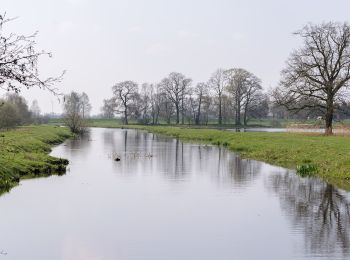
[318, 209]
[232, 169]
[172, 159]
[177, 160]
[243, 171]
[109, 138]
[81, 142]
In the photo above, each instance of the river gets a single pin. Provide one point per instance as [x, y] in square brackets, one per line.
[168, 200]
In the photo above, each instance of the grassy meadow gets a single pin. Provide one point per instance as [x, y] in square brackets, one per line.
[24, 153]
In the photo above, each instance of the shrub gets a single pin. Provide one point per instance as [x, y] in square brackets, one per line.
[9, 116]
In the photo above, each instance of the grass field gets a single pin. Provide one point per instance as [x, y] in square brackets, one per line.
[311, 154]
[110, 123]
[24, 153]
[270, 123]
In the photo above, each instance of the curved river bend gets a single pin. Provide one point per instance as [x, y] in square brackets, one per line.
[167, 200]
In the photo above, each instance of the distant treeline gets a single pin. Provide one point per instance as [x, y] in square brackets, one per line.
[14, 111]
[229, 96]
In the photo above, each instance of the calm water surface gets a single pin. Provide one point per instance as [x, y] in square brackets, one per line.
[170, 200]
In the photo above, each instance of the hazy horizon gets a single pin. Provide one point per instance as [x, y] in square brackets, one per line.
[100, 43]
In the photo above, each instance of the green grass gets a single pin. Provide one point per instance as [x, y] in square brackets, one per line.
[112, 123]
[310, 154]
[104, 123]
[24, 153]
[270, 123]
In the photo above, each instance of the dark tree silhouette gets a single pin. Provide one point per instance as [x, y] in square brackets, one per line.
[217, 82]
[321, 211]
[318, 73]
[175, 86]
[124, 93]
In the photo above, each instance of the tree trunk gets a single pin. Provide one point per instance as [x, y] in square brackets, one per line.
[182, 111]
[245, 115]
[329, 116]
[157, 116]
[153, 117]
[199, 111]
[126, 116]
[238, 108]
[238, 116]
[220, 111]
[177, 114]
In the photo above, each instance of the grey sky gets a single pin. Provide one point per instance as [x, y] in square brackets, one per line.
[103, 42]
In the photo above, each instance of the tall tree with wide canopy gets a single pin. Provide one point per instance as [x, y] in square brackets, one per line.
[72, 112]
[217, 82]
[175, 86]
[124, 93]
[243, 86]
[317, 74]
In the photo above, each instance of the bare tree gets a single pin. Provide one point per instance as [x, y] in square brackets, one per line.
[19, 62]
[175, 99]
[252, 95]
[124, 93]
[146, 93]
[217, 82]
[258, 107]
[72, 108]
[85, 105]
[318, 73]
[207, 108]
[156, 102]
[108, 108]
[167, 107]
[236, 83]
[185, 84]
[175, 86]
[201, 90]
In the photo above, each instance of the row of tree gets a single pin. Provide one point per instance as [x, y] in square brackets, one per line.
[14, 111]
[233, 93]
[315, 81]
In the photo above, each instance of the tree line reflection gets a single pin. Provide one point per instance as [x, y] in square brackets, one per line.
[321, 211]
[176, 160]
[317, 209]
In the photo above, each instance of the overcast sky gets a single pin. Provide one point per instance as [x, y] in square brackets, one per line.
[102, 42]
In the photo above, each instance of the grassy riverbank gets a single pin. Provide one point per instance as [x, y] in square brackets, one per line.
[24, 153]
[325, 156]
[269, 123]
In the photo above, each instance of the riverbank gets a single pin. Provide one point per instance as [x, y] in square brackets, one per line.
[327, 157]
[115, 123]
[24, 153]
[261, 123]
